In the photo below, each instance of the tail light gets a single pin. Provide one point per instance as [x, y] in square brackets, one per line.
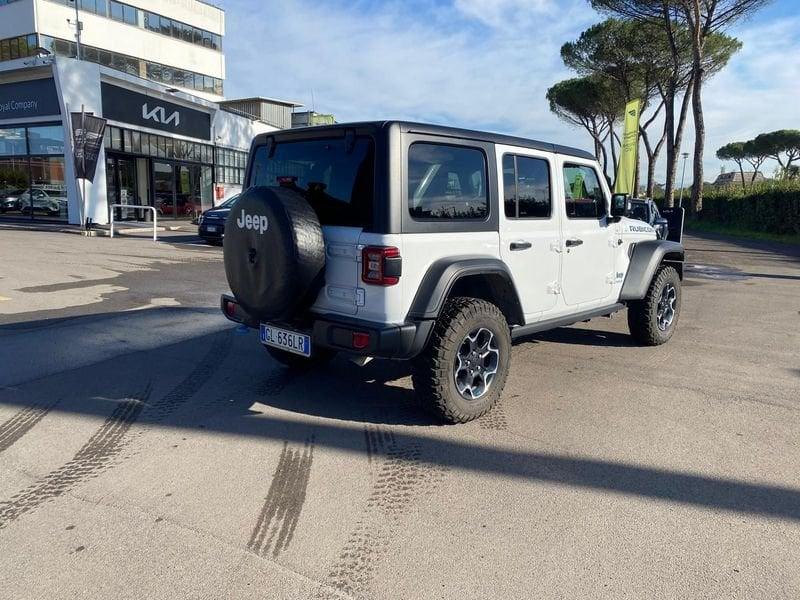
[230, 310]
[381, 265]
[360, 340]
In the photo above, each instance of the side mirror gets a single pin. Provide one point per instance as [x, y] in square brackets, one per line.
[620, 205]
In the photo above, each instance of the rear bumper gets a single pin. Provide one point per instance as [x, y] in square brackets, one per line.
[401, 342]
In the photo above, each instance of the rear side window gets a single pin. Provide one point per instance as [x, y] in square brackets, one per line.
[447, 182]
[526, 187]
[335, 175]
[584, 196]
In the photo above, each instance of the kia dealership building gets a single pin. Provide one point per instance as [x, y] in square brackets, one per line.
[155, 70]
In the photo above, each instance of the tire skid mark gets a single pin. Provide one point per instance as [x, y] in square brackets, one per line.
[495, 419]
[273, 385]
[97, 454]
[89, 461]
[376, 439]
[21, 423]
[193, 382]
[284, 502]
[401, 478]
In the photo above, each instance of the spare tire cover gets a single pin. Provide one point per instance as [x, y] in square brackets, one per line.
[274, 252]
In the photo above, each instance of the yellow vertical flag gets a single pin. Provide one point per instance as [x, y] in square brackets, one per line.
[626, 169]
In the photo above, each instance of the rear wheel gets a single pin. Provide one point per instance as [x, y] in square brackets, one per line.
[319, 358]
[463, 369]
[652, 320]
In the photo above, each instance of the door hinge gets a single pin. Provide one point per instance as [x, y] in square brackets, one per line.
[554, 288]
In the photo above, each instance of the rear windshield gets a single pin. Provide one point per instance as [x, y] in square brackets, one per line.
[335, 175]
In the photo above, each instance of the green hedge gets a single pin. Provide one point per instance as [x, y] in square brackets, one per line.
[770, 207]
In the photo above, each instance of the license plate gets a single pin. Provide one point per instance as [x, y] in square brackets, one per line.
[211, 228]
[285, 339]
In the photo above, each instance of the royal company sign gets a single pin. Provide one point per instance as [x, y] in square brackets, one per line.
[32, 98]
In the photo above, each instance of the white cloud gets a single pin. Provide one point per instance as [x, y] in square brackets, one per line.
[759, 91]
[476, 63]
[385, 63]
[506, 14]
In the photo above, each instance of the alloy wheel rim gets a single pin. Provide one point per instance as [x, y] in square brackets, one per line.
[476, 363]
[665, 314]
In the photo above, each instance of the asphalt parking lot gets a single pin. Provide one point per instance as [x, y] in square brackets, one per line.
[150, 450]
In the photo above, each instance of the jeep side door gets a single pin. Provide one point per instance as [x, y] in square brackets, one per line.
[530, 227]
[587, 273]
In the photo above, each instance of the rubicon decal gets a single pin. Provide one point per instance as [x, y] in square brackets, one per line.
[259, 223]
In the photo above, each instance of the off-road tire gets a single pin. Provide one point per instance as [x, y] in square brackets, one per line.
[319, 358]
[433, 370]
[643, 314]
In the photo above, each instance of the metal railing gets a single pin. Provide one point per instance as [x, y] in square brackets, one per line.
[135, 207]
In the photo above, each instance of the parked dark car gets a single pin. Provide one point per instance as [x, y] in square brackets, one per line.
[211, 224]
[644, 209]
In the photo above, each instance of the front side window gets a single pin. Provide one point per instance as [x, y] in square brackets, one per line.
[447, 182]
[526, 187]
[584, 196]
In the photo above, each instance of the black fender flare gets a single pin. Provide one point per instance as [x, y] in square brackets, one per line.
[443, 274]
[645, 260]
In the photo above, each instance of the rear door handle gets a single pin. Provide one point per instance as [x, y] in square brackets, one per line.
[520, 245]
[572, 243]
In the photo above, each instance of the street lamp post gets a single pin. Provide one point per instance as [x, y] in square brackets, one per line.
[78, 27]
[685, 155]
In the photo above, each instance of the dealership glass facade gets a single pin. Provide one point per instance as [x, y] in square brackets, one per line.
[175, 176]
[21, 46]
[135, 66]
[32, 182]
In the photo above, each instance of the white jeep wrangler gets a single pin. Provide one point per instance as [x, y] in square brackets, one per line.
[439, 245]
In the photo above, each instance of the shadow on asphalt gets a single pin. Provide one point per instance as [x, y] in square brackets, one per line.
[344, 398]
[788, 250]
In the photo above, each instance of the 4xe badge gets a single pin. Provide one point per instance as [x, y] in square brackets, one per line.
[255, 222]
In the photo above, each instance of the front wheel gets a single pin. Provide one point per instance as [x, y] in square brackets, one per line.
[464, 367]
[652, 320]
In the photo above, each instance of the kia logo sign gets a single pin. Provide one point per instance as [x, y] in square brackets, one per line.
[147, 110]
[159, 115]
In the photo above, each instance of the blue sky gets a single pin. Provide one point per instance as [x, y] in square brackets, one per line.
[482, 64]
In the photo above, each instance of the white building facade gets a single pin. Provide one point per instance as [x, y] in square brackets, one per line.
[155, 71]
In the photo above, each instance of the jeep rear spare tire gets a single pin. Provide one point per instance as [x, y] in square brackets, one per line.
[274, 253]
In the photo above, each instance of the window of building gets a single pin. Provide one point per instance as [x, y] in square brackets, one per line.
[127, 140]
[130, 14]
[526, 187]
[131, 65]
[32, 178]
[447, 182]
[12, 141]
[230, 166]
[46, 139]
[117, 12]
[584, 196]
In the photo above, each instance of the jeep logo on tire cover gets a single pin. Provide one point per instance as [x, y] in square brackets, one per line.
[255, 222]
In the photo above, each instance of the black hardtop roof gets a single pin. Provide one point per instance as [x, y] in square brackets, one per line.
[441, 130]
